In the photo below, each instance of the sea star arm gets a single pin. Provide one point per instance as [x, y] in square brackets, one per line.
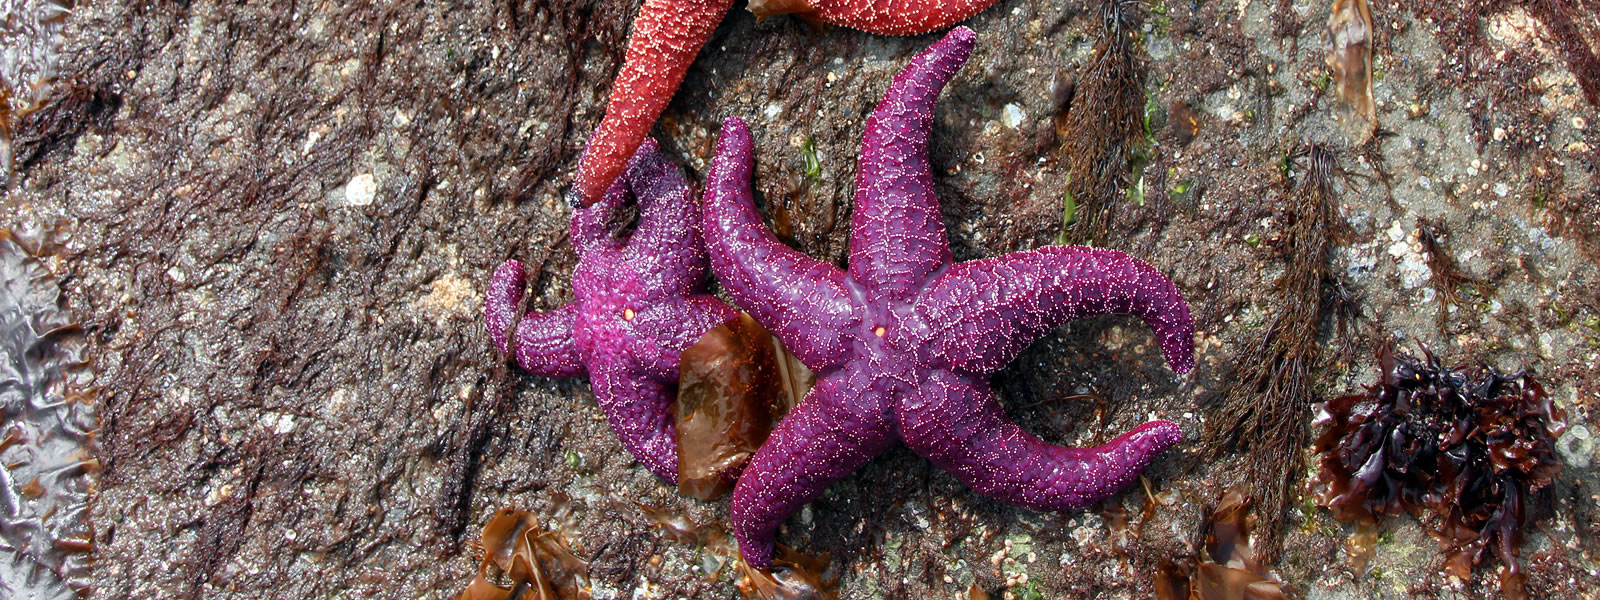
[639, 410]
[591, 226]
[670, 328]
[668, 236]
[957, 424]
[803, 301]
[897, 17]
[842, 423]
[667, 35]
[897, 234]
[994, 308]
[543, 340]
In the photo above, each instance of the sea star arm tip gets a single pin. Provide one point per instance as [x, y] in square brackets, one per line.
[826, 437]
[668, 234]
[639, 410]
[542, 343]
[905, 17]
[667, 35]
[897, 232]
[591, 226]
[961, 428]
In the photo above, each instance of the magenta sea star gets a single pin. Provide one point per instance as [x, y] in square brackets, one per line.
[904, 343]
[640, 303]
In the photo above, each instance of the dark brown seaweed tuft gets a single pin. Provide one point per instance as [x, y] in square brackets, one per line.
[1473, 446]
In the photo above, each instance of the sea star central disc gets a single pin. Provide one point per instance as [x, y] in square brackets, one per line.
[640, 303]
[904, 343]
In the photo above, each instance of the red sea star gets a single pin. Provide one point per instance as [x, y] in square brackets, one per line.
[668, 34]
[640, 303]
[903, 344]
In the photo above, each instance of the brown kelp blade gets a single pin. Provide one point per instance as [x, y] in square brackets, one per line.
[734, 385]
[522, 560]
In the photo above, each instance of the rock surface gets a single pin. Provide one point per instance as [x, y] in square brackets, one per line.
[282, 218]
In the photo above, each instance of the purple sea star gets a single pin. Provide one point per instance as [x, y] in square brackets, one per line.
[903, 344]
[640, 303]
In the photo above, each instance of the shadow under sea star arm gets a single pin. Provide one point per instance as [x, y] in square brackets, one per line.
[957, 424]
[543, 340]
[897, 236]
[898, 17]
[996, 307]
[837, 428]
[639, 410]
[803, 301]
[668, 235]
[667, 35]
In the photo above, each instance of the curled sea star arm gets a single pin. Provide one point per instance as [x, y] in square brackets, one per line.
[639, 410]
[668, 236]
[543, 341]
[897, 232]
[994, 308]
[803, 301]
[891, 17]
[667, 35]
[843, 422]
[956, 423]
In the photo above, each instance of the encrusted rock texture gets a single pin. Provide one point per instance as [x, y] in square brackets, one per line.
[281, 219]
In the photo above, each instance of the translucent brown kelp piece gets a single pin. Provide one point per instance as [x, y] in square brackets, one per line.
[47, 423]
[793, 576]
[1349, 55]
[734, 385]
[1228, 569]
[522, 560]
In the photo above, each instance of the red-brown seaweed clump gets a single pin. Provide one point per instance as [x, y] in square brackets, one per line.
[1475, 447]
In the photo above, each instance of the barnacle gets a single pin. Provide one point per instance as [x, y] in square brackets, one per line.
[46, 427]
[1475, 447]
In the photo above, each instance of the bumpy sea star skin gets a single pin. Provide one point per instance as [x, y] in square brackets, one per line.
[904, 343]
[640, 303]
[668, 34]
[899, 17]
